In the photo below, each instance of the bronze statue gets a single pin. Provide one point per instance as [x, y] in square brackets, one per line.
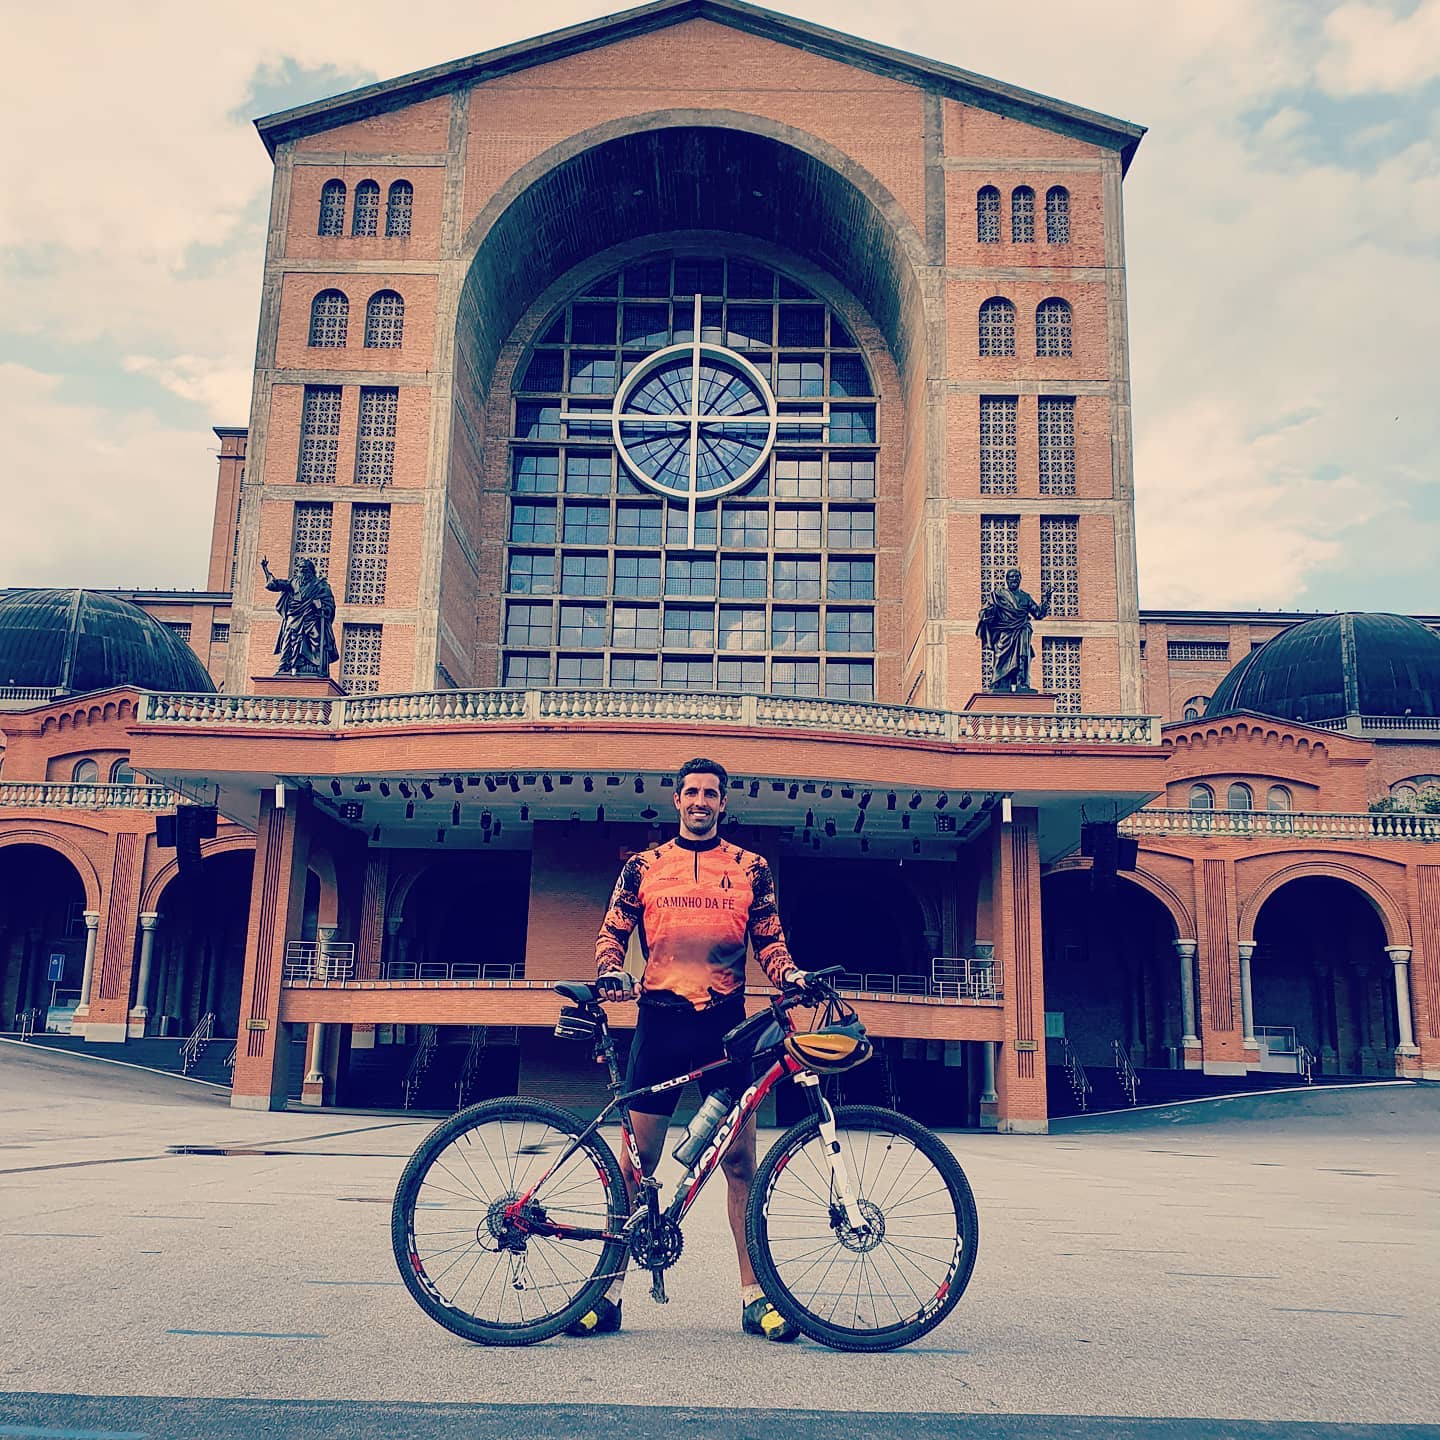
[1005, 629]
[306, 643]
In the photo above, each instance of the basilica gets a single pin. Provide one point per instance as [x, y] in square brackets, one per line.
[703, 381]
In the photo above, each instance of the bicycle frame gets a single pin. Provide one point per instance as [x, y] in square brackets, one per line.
[726, 1133]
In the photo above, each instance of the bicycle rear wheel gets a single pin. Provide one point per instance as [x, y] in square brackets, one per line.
[470, 1267]
[872, 1289]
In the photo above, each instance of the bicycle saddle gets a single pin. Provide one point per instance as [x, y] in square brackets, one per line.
[578, 991]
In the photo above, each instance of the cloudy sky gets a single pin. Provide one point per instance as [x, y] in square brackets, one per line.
[1283, 243]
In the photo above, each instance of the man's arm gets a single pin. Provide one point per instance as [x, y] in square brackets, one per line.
[623, 915]
[767, 936]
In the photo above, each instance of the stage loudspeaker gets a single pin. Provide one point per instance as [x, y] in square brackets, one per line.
[1127, 854]
[193, 823]
[1101, 842]
[165, 832]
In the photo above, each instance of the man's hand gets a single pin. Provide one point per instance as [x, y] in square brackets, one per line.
[797, 979]
[615, 985]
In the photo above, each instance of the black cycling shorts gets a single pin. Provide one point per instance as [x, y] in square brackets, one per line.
[673, 1040]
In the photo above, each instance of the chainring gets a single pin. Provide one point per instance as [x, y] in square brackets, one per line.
[654, 1244]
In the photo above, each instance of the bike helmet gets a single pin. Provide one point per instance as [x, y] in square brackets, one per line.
[831, 1048]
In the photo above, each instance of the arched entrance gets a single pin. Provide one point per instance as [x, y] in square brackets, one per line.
[465, 909]
[1320, 970]
[198, 961]
[1110, 970]
[42, 931]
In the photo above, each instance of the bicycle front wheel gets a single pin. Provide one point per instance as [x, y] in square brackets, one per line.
[474, 1267]
[888, 1283]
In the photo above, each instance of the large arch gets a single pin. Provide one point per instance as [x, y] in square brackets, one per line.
[1392, 916]
[686, 170]
[66, 847]
[223, 845]
[41, 926]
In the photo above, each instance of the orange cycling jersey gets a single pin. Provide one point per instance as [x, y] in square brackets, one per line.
[696, 902]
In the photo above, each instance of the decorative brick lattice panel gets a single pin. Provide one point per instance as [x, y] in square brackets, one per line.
[1052, 328]
[987, 215]
[1057, 216]
[1060, 562]
[319, 435]
[998, 425]
[360, 659]
[1198, 650]
[369, 551]
[1022, 216]
[310, 537]
[329, 320]
[375, 439]
[332, 208]
[399, 206]
[997, 327]
[1057, 445]
[367, 208]
[384, 321]
[1060, 671]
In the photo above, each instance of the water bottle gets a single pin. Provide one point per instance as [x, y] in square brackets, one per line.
[704, 1124]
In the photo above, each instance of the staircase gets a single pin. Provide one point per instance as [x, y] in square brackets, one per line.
[154, 1054]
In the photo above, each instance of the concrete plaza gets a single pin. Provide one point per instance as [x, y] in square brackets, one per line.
[1262, 1260]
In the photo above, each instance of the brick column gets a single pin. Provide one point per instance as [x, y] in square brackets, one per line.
[140, 1012]
[277, 903]
[1020, 1070]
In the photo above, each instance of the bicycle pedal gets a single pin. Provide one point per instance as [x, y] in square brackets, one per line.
[657, 1290]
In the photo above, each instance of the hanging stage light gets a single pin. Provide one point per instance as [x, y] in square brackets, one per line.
[405, 791]
[965, 800]
[639, 786]
[943, 801]
[440, 836]
[410, 810]
[826, 792]
[524, 812]
[427, 790]
[589, 784]
[808, 787]
[829, 829]
[915, 800]
[794, 791]
[864, 799]
[649, 813]
[567, 779]
[905, 820]
[490, 783]
[375, 835]
[809, 819]
[859, 822]
[864, 845]
[335, 789]
[514, 784]
[455, 813]
[384, 788]
[548, 783]
[890, 801]
[498, 828]
[362, 787]
[600, 814]
[486, 819]
[754, 789]
[915, 845]
[612, 779]
[847, 792]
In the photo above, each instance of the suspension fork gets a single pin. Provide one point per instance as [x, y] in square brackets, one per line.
[834, 1154]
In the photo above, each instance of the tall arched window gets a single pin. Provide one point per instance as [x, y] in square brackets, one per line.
[1239, 797]
[987, 215]
[1202, 797]
[1057, 215]
[121, 773]
[1278, 798]
[997, 327]
[398, 206]
[367, 208]
[1052, 328]
[86, 772]
[332, 208]
[329, 320]
[1022, 215]
[384, 321]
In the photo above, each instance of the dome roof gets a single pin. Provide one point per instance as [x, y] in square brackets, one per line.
[1378, 666]
[80, 640]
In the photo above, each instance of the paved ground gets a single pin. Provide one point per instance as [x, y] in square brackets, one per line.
[1263, 1260]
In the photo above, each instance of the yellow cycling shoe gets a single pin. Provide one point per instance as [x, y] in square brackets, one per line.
[760, 1317]
[604, 1319]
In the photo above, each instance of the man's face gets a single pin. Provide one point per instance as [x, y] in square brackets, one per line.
[700, 803]
[1012, 579]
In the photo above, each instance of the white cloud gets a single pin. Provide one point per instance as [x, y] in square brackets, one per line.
[100, 497]
[221, 390]
[1373, 48]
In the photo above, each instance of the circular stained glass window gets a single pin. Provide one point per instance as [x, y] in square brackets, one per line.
[694, 421]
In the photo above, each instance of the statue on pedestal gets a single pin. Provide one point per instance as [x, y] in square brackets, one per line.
[1005, 630]
[306, 643]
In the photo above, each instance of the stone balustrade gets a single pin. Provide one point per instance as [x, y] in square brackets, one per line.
[42, 795]
[450, 708]
[1283, 824]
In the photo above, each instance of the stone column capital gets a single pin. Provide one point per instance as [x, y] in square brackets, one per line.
[326, 933]
[1399, 954]
[1185, 949]
[393, 923]
[149, 919]
[92, 919]
[1245, 949]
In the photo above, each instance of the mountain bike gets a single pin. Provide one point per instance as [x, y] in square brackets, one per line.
[512, 1217]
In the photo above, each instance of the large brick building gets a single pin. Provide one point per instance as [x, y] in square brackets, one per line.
[682, 382]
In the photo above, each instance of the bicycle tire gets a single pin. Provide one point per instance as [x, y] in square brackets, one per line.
[403, 1235]
[856, 1120]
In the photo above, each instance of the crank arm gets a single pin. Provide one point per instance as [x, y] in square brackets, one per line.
[657, 1288]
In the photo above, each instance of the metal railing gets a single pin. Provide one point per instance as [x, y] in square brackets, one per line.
[1285, 824]
[194, 1047]
[230, 1060]
[1080, 1086]
[1125, 1074]
[451, 970]
[43, 795]
[26, 1021]
[981, 978]
[327, 962]
[468, 1071]
[452, 708]
[424, 1054]
[1305, 1063]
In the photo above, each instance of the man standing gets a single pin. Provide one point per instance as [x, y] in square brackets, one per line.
[697, 901]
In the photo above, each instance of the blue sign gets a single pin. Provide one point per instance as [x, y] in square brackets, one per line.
[57, 969]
